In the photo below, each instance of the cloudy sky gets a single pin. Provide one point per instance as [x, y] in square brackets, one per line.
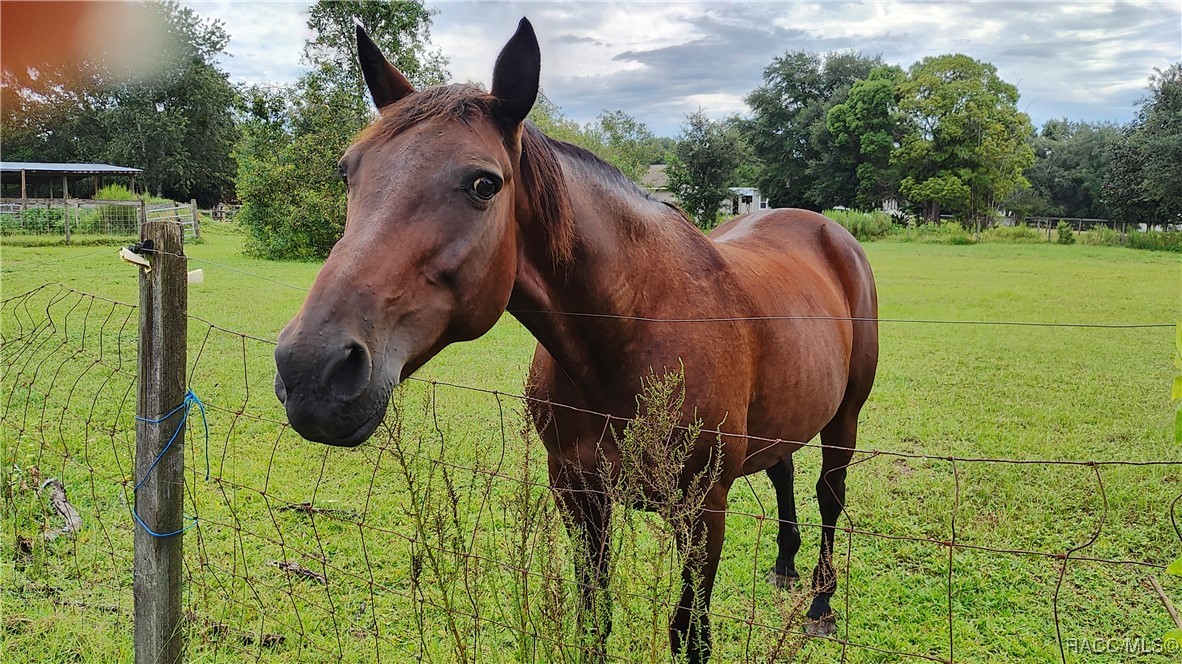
[660, 60]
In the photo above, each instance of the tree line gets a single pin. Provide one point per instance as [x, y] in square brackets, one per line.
[943, 137]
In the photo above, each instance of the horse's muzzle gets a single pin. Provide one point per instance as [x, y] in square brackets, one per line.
[329, 391]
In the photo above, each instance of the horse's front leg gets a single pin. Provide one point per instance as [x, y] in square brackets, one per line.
[701, 546]
[586, 507]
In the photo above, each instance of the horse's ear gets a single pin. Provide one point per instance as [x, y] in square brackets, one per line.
[386, 84]
[515, 76]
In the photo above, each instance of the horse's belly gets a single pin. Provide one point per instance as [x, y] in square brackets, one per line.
[796, 396]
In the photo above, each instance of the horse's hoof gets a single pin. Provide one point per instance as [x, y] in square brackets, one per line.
[782, 581]
[824, 626]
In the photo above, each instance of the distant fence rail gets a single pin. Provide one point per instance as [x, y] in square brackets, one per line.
[1087, 223]
[74, 216]
[224, 211]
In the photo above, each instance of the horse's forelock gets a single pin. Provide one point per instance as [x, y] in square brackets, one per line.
[461, 102]
[540, 171]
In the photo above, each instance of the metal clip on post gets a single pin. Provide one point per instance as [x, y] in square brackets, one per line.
[136, 254]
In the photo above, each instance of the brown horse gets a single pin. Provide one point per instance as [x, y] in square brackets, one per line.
[459, 210]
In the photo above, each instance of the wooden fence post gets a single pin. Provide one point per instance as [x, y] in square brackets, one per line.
[66, 220]
[196, 221]
[158, 560]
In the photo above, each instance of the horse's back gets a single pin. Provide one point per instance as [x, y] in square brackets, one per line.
[811, 277]
[805, 248]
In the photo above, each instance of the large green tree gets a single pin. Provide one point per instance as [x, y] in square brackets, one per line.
[56, 115]
[703, 164]
[615, 137]
[1144, 182]
[868, 127]
[401, 29]
[627, 143]
[293, 201]
[174, 122]
[1071, 161]
[799, 164]
[966, 146]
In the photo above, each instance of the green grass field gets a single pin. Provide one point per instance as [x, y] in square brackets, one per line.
[438, 539]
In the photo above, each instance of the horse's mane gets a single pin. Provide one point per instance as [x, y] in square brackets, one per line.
[541, 175]
[540, 170]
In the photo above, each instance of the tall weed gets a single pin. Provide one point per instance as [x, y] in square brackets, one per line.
[1012, 235]
[945, 233]
[863, 225]
[1064, 234]
[1156, 240]
[1101, 236]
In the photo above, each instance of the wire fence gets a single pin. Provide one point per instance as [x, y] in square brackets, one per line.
[439, 540]
[71, 218]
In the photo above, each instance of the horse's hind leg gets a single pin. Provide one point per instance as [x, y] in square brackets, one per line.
[839, 438]
[784, 572]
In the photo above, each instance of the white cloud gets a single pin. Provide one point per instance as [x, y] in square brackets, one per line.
[266, 38]
[661, 60]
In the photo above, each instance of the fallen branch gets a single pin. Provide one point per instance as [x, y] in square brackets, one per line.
[1166, 601]
[89, 607]
[267, 640]
[300, 570]
[309, 508]
[57, 496]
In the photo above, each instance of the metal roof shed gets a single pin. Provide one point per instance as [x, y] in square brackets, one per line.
[66, 171]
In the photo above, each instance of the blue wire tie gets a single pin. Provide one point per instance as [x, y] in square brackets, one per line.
[186, 406]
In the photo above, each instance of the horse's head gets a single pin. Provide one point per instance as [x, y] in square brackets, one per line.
[430, 249]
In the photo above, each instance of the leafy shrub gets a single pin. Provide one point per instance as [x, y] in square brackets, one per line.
[34, 220]
[1101, 236]
[293, 201]
[863, 225]
[946, 233]
[114, 192]
[1012, 234]
[303, 227]
[960, 238]
[1156, 240]
[124, 218]
[1064, 232]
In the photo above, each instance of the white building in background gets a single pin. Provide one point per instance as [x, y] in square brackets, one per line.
[741, 201]
[656, 183]
[744, 200]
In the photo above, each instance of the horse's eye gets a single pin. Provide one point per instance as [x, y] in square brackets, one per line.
[342, 173]
[484, 187]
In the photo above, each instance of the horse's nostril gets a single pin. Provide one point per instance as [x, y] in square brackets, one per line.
[349, 376]
[280, 388]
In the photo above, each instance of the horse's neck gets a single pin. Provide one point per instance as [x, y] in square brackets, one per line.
[633, 257]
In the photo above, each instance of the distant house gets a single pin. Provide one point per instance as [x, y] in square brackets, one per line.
[741, 201]
[656, 183]
[744, 200]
